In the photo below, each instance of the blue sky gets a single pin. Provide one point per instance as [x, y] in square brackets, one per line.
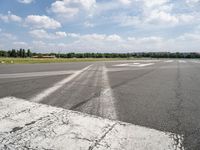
[100, 25]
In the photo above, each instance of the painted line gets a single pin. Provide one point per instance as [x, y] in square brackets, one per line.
[125, 69]
[103, 102]
[144, 65]
[134, 65]
[169, 61]
[46, 127]
[196, 61]
[57, 86]
[133, 69]
[36, 74]
[107, 100]
[121, 65]
[182, 61]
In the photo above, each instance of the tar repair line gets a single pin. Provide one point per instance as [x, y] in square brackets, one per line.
[56, 86]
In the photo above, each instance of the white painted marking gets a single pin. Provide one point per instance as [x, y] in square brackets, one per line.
[107, 100]
[35, 74]
[134, 65]
[144, 65]
[56, 86]
[121, 65]
[169, 61]
[132, 69]
[46, 127]
[182, 61]
[105, 104]
[196, 61]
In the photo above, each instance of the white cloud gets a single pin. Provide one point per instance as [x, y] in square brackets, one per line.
[159, 13]
[61, 34]
[192, 2]
[125, 20]
[125, 2]
[10, 17]
[25, 1]
[167, 18]
[100, 37]
[70, 8]
[8, 36]
[46, 22]
[186, 18]
[38, 42]
[190, 37]
[153, 3]
[41, 34]
[61, 9]
[73, 35]
[88, 24]
[114, 37]
[110, 43]
[142, 40]
[161, 17]
[93, 37]
[20, 44]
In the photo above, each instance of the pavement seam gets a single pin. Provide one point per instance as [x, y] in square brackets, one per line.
[102, 137]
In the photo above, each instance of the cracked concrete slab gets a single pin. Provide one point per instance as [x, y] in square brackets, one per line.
[28, 125]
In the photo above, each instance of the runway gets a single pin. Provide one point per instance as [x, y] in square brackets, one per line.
[159, 94]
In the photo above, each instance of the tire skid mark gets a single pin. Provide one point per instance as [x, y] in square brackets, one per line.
[76, 88]
[102, 102]
[57, 86]
[134, 78]
[175, 114]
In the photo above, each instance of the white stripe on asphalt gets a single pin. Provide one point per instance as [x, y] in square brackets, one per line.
[107, 100]
[169, 61]
[35, 74]
[103, 105]
[134, 65]
[38, 126]
[196, 61]
[56, 86]
[182, 61]
[144, 65]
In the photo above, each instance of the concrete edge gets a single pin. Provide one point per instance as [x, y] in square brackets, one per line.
[28, 125]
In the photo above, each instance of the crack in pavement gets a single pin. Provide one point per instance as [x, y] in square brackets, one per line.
[101, 138]
[56, 128]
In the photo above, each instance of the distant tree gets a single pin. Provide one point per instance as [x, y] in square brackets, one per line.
[20, 53]
[3, 53]
[13, 53]
[23, 53]
[29, 54]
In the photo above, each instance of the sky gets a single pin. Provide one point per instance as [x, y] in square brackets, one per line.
[100, 25]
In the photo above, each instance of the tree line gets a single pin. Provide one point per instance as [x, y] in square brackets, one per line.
[16, 53]
[27, 53]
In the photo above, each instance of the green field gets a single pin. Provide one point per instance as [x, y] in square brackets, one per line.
[54, 60]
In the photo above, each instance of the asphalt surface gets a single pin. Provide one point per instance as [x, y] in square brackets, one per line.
[158, 94]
